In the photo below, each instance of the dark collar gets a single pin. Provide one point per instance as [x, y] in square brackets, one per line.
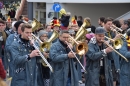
[63, 44]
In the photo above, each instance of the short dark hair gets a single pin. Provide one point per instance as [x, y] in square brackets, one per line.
[107, 19]
[80, 17]
[26, 25]
[63, 31]
[102, 19]
[47, 26]
[127, 22]
[20, 17]
[75, 17]
[117, 23]
[1, 21]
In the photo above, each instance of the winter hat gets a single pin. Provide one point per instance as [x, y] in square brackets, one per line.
[41, 32]
[16, 25]
[71, 31]
[100, 30]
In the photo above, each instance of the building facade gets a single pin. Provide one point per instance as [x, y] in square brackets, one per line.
[44, 12]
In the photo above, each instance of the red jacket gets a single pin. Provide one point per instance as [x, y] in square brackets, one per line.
[2, 71]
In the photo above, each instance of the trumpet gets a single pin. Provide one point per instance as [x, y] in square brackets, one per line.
[44, 59]
[117, 45]
[76, 57]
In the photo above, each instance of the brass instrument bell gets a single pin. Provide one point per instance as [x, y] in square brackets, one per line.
[47, 44]
[35, 25]
[117, 44]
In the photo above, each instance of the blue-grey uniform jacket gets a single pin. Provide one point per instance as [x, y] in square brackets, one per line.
[25, 70]
[60, 64]
[7, 55]
[93, 57]
[125, 66]
[115, 56]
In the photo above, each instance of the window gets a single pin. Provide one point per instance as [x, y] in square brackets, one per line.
[41, 6]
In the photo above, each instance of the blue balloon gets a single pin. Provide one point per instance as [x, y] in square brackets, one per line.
[56, 7]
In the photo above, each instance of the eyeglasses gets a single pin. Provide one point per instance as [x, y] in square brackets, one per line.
[65, 37]
[72, 34]
[44, 36]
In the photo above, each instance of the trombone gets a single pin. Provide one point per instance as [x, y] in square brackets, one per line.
[81, 48]
[116, 29]
[44, 59]
[117, 44]
[46, 45]
[76, 57]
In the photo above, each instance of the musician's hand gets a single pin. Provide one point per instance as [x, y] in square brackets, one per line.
[118, 36]
[71, 55]
[31, 42]
[104, 41]
[112, 29]
[34, 53]
[46, 54]
[108, 50]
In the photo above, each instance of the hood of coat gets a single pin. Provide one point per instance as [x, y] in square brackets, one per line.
[93, 40]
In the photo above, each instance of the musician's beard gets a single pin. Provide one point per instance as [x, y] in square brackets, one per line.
[99, 41]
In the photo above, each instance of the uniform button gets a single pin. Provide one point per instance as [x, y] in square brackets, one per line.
[31, 74]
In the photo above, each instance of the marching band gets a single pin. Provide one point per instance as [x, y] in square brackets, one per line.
[65, 51]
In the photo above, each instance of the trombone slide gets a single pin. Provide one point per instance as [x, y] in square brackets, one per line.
[117, 52]
[76, 58]
[122, 36]
[44, 59]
